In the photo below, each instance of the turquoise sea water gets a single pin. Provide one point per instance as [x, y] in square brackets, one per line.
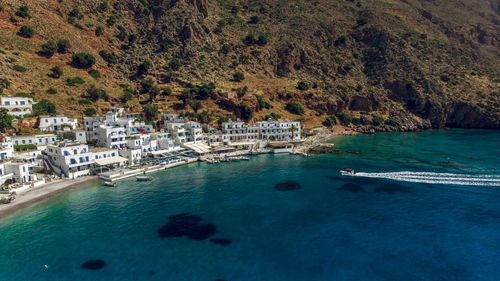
[391, 222]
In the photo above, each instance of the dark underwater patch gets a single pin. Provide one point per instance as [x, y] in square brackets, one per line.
[480, 216]
[187, 225]
[221, 241]
[392, 188]
[352, 187]
[93, 264]
[287, 185]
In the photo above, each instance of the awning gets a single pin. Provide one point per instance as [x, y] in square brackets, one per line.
[110, 160]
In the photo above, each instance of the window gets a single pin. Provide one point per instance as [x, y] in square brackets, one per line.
[72, 161]
[7, 103]
[22, 102]
[65, 153]
[113, 154]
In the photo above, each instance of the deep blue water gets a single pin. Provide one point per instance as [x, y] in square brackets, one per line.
[382, 227]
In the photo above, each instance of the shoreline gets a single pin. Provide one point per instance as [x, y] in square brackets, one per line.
[41, 193]
[49, 190]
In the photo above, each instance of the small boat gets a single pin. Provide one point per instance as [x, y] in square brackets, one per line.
[143, 178]
[109, 183]
[347, 172]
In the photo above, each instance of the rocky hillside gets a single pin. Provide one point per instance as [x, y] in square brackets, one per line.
[374, 64]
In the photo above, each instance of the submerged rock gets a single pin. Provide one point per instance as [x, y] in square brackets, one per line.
[351, 187]
[187, 225]
[94, 264]
[221, 241]
[287, 185]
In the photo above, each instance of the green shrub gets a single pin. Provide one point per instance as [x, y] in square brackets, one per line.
[24, 95]
[330, 121]
[262, 102]
[90, 111]
[76, 13]
[26, 31]
[127, 95]
[163, 46]
[103, 6]
[44, 107]
[166, 92]
[377, 120]
[85, 101]
[75, 81]
[254, 20]
[56, 72]
[94, 74]
[99, 30]
[356, 121]
[273, 116]
[391, 122]
[23, 12]
[150, 112]
[143, 67]
[344, 117]
[51, 91]
[303, 86]
[107, 56]
[175, 64]
[111, 21]
[82, 60]
[249, 39]
[295, 108]
[19, 68]
[238, 76]
[48, 49]
[147, 84]
[95, 93]
[5, 120]
[261, 40]
[63, 46]
[24, 147]
[246, 112]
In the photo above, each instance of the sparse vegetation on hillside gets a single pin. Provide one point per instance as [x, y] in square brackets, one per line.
[419, 65]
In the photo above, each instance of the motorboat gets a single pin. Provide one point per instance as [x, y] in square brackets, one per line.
[109, 183]
[143, 178]
[347, 172]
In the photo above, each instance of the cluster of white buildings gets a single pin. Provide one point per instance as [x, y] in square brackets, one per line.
[121, 138]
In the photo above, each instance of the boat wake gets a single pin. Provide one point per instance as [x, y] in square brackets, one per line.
[436, 178]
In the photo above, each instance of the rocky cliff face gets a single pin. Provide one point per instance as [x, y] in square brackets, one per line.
[390, 65]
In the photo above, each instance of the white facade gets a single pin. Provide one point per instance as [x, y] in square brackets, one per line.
[17, 106]
[38, 140]
[279, 130]
[183, 132]
[112, 137]
[164, 140]
[54, 123]
[132, 155]
[6, 147]
[72, 159]
[239, 132]
[19, 170]
[99, 153]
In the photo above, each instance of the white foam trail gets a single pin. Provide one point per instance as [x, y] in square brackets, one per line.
[436, 178]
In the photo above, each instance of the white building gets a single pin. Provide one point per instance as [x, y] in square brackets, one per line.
[181, 130]
[164, 140]
[16, 171]
[70, 159]
[239, 132]
[6, 147]
[279, 130]
[111, 136]
[113, 119]
[54, 123]
[17, 106]
[38, 140]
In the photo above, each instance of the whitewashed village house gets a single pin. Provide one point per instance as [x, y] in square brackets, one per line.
[17, 106]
